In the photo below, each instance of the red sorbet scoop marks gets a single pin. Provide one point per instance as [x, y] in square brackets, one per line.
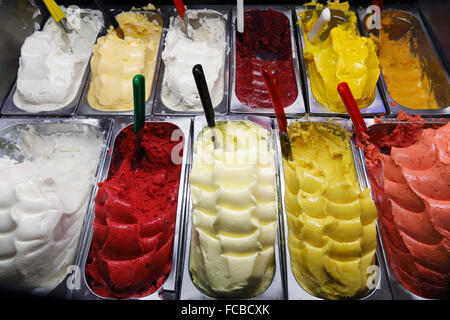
[131, 250]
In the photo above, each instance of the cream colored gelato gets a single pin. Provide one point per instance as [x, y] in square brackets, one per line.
[43, 201]
[116, 61]
[206, 46]
[234, 222]
[50, 75]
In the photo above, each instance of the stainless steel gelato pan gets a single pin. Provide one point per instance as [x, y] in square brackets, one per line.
[404, 257]
[376, 107]
[414, 73]
[167, 290]
[9, 107]
[48, 217]
[297, 106]
[246, 281]
[84, 109]
[167, 98]
[377, 285]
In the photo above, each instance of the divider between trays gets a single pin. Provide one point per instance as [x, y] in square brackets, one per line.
[294, 291]
[188, 290]
[168, 290]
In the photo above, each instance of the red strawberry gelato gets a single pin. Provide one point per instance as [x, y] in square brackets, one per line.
[131, 249]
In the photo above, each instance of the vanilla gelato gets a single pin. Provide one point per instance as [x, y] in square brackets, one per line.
[43, 201]
[50, 75]
[206, 45]
[234, 222]
[116, 61]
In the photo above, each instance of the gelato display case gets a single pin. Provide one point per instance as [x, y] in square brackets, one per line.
[94, 207]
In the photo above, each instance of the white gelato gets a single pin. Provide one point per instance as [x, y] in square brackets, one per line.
[49, 75]
[43, 201]
[206, 47]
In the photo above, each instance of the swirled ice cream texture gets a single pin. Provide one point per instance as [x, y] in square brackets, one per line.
[116, 61]
[411, 187]
[331, 222]
[234, 221]
[43, 201]
[135, 215]
[49, 75]
[342, 56]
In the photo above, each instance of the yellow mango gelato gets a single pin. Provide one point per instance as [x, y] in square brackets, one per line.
[340, 54]
[403, 74]
[116, 61]
[234, 222]
[331, 222]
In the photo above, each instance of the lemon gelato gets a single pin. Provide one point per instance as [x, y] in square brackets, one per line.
[331, 222]
[339, 55]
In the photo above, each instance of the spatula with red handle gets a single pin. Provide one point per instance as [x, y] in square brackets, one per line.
[274, 94]
[352, 108]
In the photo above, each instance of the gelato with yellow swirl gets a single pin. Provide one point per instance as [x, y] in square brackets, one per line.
[332, 233]
[339, 55]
